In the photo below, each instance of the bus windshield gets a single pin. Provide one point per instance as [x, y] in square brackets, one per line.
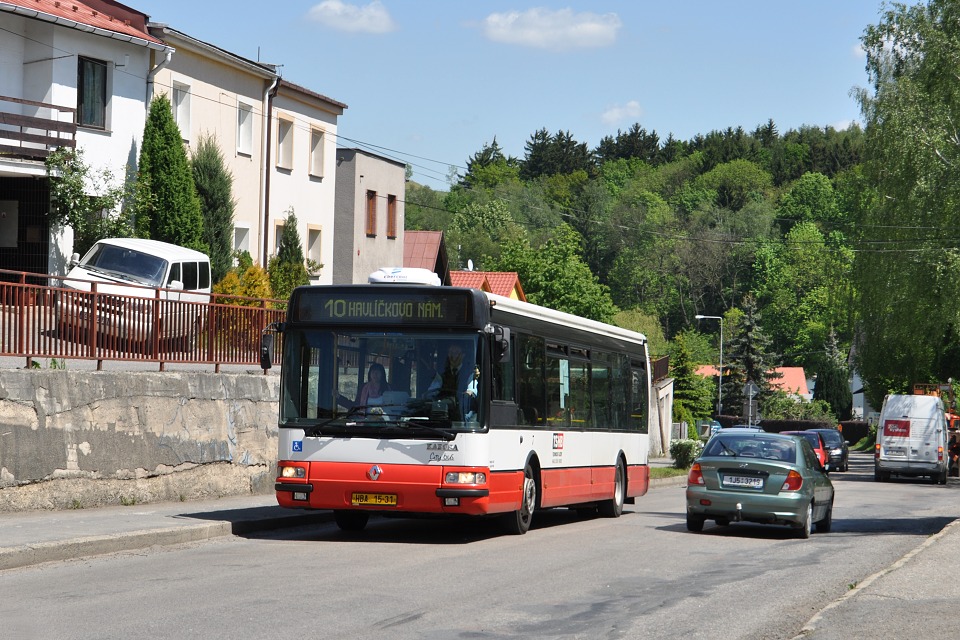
[380, 384]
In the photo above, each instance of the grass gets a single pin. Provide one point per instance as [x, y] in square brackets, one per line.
[667, 472]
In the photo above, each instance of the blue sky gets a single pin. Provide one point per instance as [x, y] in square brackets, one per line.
[429, 82]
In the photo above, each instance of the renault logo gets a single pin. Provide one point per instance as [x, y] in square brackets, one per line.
[374, 472]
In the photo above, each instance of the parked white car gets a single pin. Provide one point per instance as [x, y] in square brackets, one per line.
[137, 281]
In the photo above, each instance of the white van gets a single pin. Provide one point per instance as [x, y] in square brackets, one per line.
[911, 438]
[126, 268]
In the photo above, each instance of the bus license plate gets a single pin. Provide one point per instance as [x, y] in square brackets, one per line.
[743, 481]
[376, 499]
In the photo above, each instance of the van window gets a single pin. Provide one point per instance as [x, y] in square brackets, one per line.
[190, 276]
[204, 276]
[174, 273]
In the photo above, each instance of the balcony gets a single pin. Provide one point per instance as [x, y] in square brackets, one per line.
[34, 136]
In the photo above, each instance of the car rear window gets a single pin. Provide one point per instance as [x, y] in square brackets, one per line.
[751, 447]
[831, 437]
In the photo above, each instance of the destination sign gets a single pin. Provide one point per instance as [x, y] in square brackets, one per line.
[376, 306]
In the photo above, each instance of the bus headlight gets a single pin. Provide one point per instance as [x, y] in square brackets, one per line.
[465, 477]
[292, 472]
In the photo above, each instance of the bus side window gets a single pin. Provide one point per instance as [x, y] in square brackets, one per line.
[530, 379]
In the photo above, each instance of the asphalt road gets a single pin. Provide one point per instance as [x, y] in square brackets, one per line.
[640, 576]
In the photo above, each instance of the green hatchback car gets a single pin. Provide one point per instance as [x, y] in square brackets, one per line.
[747, 476]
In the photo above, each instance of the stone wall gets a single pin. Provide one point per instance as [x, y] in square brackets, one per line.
[74, 439]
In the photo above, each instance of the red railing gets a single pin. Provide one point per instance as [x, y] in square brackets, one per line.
[70, 319]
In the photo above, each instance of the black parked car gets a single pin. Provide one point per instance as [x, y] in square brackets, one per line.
[837, 448]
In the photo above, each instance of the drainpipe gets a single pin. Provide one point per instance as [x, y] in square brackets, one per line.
[267, 109]
[153, 72]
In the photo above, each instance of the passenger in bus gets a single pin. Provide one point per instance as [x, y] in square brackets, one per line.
[376, 384]
[371, 392]
[470, 401]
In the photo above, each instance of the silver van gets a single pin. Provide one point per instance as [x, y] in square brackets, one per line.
[911, 438]
[140, 285]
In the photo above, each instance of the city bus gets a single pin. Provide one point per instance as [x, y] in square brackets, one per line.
[544, 409]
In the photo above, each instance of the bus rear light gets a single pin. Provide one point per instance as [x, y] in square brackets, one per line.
[465, 477]
[696, 475]
[793, 482]
[290, 471]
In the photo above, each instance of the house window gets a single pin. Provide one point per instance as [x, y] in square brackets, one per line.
[92, 93]
[181, 109]
[277, 235]
[372, 213]
[391, 216]
[314, 235]
[241, 239]
[316, 153]
[285, 144]
[244, 129]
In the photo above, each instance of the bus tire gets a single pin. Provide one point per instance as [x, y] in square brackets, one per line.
[518, 522]
[614, 507]
[351, 520]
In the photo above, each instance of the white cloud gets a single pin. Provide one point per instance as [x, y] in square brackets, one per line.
[370, 18]
[858, 51]
[556, 30]
[617, 113]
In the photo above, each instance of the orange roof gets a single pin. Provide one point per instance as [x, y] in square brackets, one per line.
[505, 283]
[100, 14]
[791, 380]
[470, 279]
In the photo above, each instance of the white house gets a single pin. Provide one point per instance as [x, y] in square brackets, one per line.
[71, 74]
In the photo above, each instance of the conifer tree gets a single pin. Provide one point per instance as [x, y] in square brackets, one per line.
[175, 214]
[833, 383]
[750, 359]
[214, 186]
[287, 268]
[692, 394]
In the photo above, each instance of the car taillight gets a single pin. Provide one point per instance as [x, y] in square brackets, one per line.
[940, 454]
[793, 482]
[695, 476]
[876, 451]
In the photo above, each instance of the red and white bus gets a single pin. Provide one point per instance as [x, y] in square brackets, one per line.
[546, 410]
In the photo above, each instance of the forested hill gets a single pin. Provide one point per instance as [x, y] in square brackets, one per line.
[666, 228]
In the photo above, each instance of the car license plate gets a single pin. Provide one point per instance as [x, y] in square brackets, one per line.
[751, 482]
[377, 499]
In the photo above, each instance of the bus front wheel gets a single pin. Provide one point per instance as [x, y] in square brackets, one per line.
[518, 522]
[614, 507]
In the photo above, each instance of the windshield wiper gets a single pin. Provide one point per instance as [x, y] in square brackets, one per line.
[317, 428]
[727, 449]
[414, 422]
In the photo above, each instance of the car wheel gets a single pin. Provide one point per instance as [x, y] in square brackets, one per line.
[694, 523]
[824, 525]
[614, 507]
[518, 522]
[806, 527]
[351, 520]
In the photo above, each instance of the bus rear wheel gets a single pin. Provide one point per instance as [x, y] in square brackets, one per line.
[614, 507]
[351, 520]
[518, 522]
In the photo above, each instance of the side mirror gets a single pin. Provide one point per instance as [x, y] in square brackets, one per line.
[266, 350]
[176, 285]
[74, 259]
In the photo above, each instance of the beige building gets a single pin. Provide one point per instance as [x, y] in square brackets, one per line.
[369, 215]
[277, 140]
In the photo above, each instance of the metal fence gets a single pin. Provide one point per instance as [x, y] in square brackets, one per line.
[41, 317]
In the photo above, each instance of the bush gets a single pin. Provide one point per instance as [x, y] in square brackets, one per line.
[684, 452]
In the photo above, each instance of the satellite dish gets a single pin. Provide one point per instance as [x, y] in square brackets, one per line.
[469, 265]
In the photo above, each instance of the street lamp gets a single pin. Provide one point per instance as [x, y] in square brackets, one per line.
[720, 381]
